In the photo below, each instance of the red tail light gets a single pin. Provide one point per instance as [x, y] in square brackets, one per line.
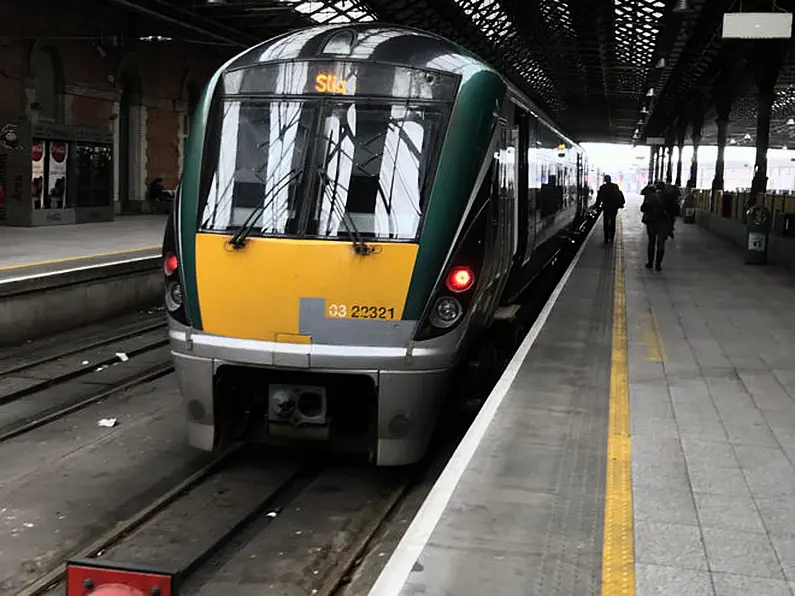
[460, 279]
[170, 263]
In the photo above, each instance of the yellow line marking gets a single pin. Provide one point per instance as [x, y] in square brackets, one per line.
[618, 550]
[82, 258]
[655, 349]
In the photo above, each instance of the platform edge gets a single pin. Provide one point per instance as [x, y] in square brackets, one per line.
[396, 572]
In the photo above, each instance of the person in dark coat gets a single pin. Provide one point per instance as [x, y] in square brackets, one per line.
[675, 196]
[659, 210]
[611, 199]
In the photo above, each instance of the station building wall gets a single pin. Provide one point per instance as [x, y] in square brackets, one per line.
[77, 71]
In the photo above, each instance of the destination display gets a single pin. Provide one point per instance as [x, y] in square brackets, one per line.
[340, 78]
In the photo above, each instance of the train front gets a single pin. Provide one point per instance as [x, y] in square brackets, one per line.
[314, 178]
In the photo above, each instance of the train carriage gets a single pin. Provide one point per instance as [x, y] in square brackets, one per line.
[357, 203]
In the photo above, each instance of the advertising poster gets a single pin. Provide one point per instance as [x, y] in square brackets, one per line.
[57, 177]
[37, 190]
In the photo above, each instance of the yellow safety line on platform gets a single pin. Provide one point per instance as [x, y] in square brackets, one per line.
[618, 550]
[83, 258]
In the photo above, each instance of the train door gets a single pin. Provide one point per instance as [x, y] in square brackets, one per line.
[522, 220]
[507, 208]
[501, 239]
[580, 201]
[533, 185]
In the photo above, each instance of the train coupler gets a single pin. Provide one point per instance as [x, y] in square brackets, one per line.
[94, 577]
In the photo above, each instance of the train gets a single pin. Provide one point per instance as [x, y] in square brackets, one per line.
[360, 204]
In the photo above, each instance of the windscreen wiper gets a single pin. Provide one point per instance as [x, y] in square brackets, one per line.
[360, 247]
[239, 239]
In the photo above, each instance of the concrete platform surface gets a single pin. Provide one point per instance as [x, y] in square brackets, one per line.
[686, 378]
[35, 251]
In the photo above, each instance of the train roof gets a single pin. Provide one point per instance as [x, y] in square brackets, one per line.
[379, 42]
[366, 41]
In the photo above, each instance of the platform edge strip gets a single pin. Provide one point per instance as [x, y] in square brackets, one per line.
[618, 550]
[100, 255]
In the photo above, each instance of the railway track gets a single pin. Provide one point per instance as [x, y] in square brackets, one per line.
[45, 388]
[255, 501]
[276, 524]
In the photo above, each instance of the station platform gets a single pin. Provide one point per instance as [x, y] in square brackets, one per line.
[641, 441]
[41, 251]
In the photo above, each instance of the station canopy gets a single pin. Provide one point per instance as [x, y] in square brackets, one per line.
[605, 70]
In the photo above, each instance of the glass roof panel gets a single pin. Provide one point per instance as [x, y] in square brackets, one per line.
[497, 27]
[333, 11]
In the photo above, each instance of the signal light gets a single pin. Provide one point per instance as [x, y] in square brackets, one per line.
[460, 279]
[170, 263]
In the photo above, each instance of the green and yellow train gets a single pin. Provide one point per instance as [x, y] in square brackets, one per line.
[358, 202]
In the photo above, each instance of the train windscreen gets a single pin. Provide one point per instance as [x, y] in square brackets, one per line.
[320, 149]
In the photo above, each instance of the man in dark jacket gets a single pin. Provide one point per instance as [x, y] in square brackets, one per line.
[672, 196]
[659, 210]
[611, 199]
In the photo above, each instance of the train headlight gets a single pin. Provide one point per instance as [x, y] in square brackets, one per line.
[174, 296]
[446, 312]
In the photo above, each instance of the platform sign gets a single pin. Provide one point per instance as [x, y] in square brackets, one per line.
[757, 25]
[756, 241]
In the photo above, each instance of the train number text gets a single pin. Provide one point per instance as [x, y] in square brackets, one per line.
[359, 311]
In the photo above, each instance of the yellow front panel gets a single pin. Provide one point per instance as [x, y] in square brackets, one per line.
[255, 292]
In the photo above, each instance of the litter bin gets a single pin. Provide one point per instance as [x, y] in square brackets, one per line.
[757, 231]
[689, 210]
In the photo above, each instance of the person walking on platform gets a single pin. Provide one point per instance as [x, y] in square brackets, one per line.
[659, 210]
[673, 196]
[611, 199]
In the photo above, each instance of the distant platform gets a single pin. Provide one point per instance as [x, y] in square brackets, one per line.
[30, 252]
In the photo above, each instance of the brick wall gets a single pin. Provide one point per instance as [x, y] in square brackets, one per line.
[10, 82]
[92, 82]
[90, 111]
[163, 143]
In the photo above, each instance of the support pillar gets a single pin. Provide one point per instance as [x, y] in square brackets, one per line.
[767, 64]
[669, 147]
[681, 131]
[652, 163]
[720, 162]
[723, 96]
[698, 123]
[658, 174]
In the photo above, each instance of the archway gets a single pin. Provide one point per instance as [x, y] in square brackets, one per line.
[46, 69]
